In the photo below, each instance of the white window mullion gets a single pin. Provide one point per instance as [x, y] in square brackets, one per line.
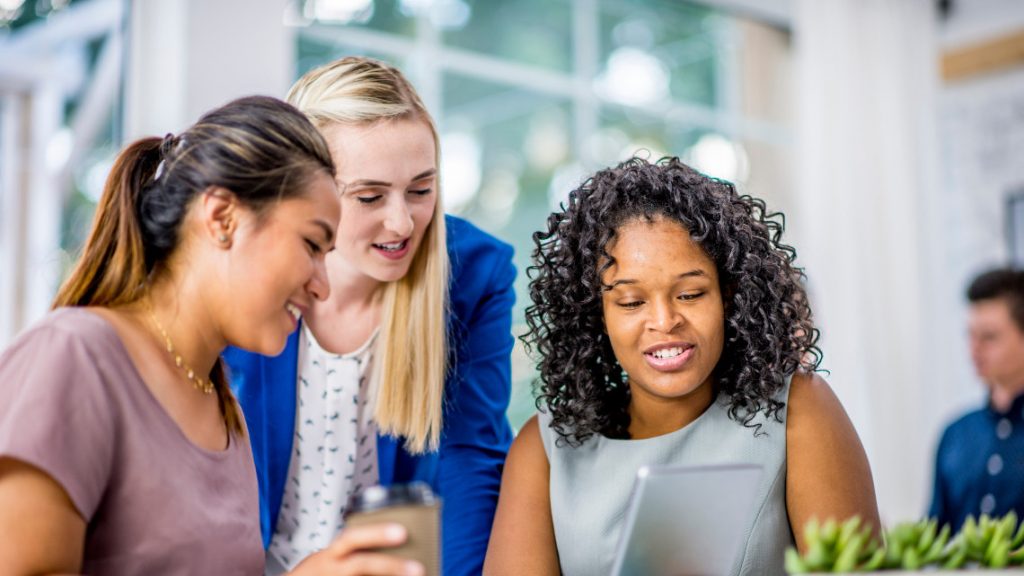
[586, 65]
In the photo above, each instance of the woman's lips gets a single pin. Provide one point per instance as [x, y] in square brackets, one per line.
[294, 313]
[393, 250]
[670, 363]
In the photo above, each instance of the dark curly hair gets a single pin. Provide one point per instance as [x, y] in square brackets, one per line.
[769, 334]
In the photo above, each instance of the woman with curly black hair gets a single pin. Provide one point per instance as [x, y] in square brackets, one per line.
[672, 328]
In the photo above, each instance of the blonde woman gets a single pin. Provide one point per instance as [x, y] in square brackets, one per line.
[403, 372]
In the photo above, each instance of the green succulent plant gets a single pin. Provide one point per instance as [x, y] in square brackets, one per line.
[911, 545]
[850, 546]
[835, 547]
[989, 542]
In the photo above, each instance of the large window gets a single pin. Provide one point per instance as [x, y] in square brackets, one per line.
[531, 95]
[60, 109]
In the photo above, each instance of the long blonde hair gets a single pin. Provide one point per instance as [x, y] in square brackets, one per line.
[411, 360]
[260, 148]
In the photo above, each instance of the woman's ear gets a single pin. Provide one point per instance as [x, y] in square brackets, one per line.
[219, 213]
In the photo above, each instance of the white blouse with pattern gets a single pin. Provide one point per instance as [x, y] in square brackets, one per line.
[334, 450]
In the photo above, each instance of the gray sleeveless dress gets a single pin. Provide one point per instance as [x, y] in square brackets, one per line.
[590, 486]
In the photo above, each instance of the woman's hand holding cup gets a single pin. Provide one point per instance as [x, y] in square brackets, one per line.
[357, 552]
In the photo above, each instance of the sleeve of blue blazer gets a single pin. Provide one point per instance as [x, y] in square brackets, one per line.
[476, 434]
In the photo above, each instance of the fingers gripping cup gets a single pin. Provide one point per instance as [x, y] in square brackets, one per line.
[411, 505]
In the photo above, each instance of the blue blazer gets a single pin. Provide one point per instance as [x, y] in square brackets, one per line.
[466, 470]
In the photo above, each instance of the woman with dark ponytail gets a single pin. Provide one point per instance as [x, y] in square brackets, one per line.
[122, 448]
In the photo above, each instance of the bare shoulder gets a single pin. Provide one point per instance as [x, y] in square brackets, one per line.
[528, 443]
[527, 461]
[815, 419]
[531, 429]
[812, 401]
[810, 390]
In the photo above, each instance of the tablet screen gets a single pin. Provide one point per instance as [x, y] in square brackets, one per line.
[686, 520]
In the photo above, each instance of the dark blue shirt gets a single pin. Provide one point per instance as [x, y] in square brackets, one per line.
[980, 466]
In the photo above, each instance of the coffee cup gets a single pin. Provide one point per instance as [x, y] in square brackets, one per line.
[415, 507]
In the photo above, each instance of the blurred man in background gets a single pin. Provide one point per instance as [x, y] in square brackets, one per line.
[980, 464]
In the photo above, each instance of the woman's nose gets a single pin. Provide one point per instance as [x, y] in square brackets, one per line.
[398, 219]
[319, 286]
[664, 317]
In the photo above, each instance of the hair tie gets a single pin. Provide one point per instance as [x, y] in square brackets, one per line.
[165, 149]
[167, 145]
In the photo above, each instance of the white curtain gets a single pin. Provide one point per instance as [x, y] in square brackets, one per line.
[867, 229]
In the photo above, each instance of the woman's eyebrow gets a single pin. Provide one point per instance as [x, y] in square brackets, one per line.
[696, 273]
[424, 175]
[691, 273]
[368, 183]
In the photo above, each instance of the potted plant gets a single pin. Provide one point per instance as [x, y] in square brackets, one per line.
[848, 547]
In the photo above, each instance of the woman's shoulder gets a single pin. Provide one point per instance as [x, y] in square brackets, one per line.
[68, 328]
[534, 436]
[468, 245]
[72, 357]
[481, 267]
[811, 395]
[815, 417]
[71, 345]
[558, 440]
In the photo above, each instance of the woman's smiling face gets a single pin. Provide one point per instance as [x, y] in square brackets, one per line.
[387, 175]
[276, 269]
[663, 314]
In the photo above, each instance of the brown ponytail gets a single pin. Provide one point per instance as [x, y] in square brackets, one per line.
[111, 270]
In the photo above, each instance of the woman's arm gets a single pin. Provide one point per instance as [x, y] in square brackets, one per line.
[57, 437]
[523, 537]
[476, 435]
[42, 531]
[827, 473]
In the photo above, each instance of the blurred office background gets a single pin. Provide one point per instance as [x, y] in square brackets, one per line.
[888, 131]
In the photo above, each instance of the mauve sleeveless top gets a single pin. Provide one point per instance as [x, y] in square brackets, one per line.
[590, 486]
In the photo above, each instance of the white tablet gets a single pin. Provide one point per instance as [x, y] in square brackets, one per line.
[686, 520]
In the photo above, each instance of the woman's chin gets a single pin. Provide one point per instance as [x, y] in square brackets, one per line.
[384, 270]
[268, 345]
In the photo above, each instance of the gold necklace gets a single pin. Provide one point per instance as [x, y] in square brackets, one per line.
[198, 383]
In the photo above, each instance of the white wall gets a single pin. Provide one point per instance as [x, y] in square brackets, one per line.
[867, 80]
[40, 66]
[981, 124]
[188, 56]
[902, 181]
